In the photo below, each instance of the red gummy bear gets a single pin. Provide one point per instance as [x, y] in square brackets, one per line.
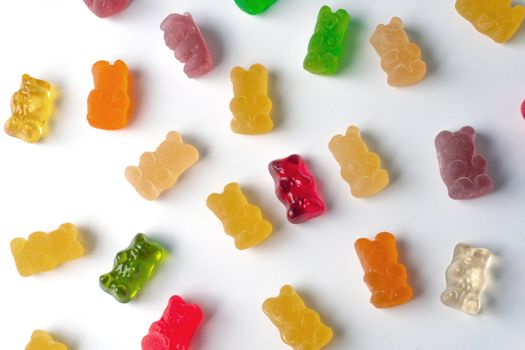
[176, 327]
[523, 109]
[106, 8]
[296, 189]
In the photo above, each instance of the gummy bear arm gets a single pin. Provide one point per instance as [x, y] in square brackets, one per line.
[413, 50]
[479, 162]
[396, 271]
[17, 245]
[372, 279]
[263, 102]
[147, 158]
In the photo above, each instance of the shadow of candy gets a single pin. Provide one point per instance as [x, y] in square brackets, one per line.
[353, 40]
[374, 146]
[68, 340]
[495, 168]
[87, 238]
[427, 52]
[269, 212]
[214, 42]
[413, 277]
[209, 310]
[275, 96]
[494, 277]
[136, 92]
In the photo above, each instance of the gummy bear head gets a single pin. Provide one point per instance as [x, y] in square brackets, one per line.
[389, 36]
[249, 82]
[285, 307]
[457, 145]
[180, 314]
[380, 252]
[228, 203]
[177, 28]
[111, 77]
[333, 23]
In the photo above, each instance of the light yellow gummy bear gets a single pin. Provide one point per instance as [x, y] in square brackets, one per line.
[251, 105]
[41, 340]
[494, 18]
[359, 167]
[160, 170]
[241, 220]
[45, 251]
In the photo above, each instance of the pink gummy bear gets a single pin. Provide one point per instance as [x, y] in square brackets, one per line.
[176, 327]
[182, 35]
[106, 8]
[462, 169]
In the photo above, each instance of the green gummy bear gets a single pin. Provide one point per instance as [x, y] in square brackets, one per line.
[133, 267]
[326, 44]
[254, 7]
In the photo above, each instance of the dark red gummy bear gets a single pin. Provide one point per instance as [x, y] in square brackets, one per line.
[296, 189]
[176, 327]
[106, 8]
[462, 169]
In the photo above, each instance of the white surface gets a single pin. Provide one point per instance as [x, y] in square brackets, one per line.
[76, 175]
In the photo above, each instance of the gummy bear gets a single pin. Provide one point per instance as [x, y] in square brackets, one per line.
[462, 169]
[161, 169]
[133, 267]
[400, 58]
[240, 219]
[326, 44]
[175, 329]
[300, 326]
[183, 36]
[251, 105]
[523, 109]
[109, 104]
[494, 18]
[359, 167]
[296, 189]
[465, 278]
[254, 7]
[45, 251]
[41, 340]
[384, 275]
[31, 108]
[106, 8]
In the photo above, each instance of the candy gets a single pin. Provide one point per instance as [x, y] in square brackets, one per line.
[133, 267]
[31, 108]
[359, 167]
[400, 58]
[462, 169]
[41, 340]
[254, 7]
[160, 170]
[175, 329]
[326, 44]
[466, 279]
[241, 220]
[300, 326]
[184, 37]
[296, 189]
[251, 105]
[106, 8]
[109, 104]
[494, 18]
[45, 251]
[384, 275]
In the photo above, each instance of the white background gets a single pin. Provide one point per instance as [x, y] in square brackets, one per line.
[76, 175]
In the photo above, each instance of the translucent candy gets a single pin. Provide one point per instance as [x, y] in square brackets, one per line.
[41, 340]
[359, 167]
[106, 8]
[466, 278]
[254, 7]
[300, 326]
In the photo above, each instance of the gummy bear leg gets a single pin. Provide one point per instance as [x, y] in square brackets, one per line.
[155, 341]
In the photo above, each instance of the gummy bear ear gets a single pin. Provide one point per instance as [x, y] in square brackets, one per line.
[386, 237]
[325, 9]
[286, 290]
[354, 130]
[361, 244]
[396, 21]
[232, 187]
[174, 136]
[258, 69]
[342, 14]
[482, 254]
[442, 139]
[461, 249]
[468, 130]
[236, 72]
[98, 66]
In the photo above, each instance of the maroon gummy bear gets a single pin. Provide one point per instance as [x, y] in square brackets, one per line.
[296, 189]
[106, 8]
[463, 170]
[176, 327]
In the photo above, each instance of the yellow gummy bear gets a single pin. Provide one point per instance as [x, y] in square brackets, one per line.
[41, 340]
[300, 326]
[240, 219]
[31, 108]
[160, 170]
[45, 251]
[494, 18]
[359, 167]
[251, 105]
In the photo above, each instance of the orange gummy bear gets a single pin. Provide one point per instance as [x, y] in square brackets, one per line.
[109, 104]
[384, 275]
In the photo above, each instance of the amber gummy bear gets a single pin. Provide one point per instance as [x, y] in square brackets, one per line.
[41, 340]
[384, 275]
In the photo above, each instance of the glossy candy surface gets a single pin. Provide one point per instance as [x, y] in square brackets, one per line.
[183, 36]
[296, 189]
[109, 104]
[299, 326]
[462, 169]
[497, 19]
[254, 7]
[160, 170]
[42, 251]
[31, 110]
[326, 44]
[250, 105]
[106, 8]
[133, 267]
[384, 275]
[41, 340]
[359, 167]
[241, 220]
[400, 58]
[466, 278]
